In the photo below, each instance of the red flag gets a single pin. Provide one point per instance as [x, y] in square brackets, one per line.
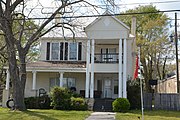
[136, 68]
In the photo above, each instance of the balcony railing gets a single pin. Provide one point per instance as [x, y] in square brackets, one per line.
[106, 58]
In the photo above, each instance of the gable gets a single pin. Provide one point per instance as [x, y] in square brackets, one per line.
[107, 27]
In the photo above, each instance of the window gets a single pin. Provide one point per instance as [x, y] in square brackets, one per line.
[64, 51]
[54, 82]
[108, 54]
[67, 82]
[73, 51]
[55, 51]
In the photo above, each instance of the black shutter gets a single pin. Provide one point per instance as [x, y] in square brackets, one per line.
[80, 51]
[61, 50]
[48, 51]
[66, 51]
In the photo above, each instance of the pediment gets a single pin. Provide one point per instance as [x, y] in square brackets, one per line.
[107, 24]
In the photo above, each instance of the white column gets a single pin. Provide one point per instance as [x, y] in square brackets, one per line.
[7, 79]
[34, 80]
[87, 69]
[61, 79]
[120, 69]
[125, 69]
[92, 71]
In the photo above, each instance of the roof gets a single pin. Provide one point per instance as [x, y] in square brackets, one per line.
[56, 66]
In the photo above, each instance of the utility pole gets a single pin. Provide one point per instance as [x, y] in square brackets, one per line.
[176, 45]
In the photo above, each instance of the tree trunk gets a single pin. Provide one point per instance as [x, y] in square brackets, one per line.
[146, 75]
[17, 79]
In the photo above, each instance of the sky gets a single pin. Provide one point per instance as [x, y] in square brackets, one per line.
[122, 5]
[128, 4]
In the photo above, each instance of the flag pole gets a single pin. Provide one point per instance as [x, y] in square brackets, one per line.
[141, 87]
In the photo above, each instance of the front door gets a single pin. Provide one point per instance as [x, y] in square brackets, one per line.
[107, 89]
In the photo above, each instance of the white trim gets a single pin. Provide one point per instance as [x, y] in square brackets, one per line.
[77, 50]
[61, 79]
[7, 79]
[120, 70]
[34, 80]
[92, 71]
[87, 69]
[68, 51]
[125, 69]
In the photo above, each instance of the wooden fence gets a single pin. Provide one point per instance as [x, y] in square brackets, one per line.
[161, 101]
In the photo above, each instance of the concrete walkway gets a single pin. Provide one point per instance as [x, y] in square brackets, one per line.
[101, 116]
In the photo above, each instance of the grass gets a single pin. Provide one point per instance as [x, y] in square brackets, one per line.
[6, 114]
[149, 115]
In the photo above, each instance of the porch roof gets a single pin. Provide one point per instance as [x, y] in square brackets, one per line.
[56, 66]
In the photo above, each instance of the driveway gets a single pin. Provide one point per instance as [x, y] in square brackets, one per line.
[101, 116]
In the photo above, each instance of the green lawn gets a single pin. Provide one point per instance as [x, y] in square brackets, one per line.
[149, 115]
[6, 114]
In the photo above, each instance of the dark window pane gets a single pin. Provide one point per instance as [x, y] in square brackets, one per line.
[61, 50]
[66, 51]
[80, 51]
[48, 51]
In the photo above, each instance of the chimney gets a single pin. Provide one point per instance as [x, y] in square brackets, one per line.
[133, 26]
[58, 18]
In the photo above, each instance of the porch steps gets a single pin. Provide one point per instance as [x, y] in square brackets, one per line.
[103, 105]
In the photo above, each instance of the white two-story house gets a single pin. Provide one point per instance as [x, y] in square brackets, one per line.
[96, 66]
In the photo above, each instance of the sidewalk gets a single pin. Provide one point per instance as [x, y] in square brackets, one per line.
[101, 116]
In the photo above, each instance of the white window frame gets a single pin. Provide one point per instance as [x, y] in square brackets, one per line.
[77, 48]
[68, 59]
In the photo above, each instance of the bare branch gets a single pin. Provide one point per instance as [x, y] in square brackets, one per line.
[15, 4]
[36, 35]
[22, 25]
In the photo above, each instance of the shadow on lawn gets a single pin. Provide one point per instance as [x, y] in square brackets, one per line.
[162, 113]
[41, 115]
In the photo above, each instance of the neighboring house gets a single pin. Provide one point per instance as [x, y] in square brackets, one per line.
[97, 66]
[168, 85]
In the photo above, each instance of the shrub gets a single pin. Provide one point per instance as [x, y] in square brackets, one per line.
[134, 94]
[42, 102]
[121, 105]
[60, 98]
[31, 103]
[78, 104]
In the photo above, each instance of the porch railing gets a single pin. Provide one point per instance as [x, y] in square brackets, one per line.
[106, 58]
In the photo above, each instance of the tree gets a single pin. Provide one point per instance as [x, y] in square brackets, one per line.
[3, 59]
[153, 40]
[18, 42]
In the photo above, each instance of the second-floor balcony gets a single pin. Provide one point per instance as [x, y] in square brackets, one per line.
[106, 57]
